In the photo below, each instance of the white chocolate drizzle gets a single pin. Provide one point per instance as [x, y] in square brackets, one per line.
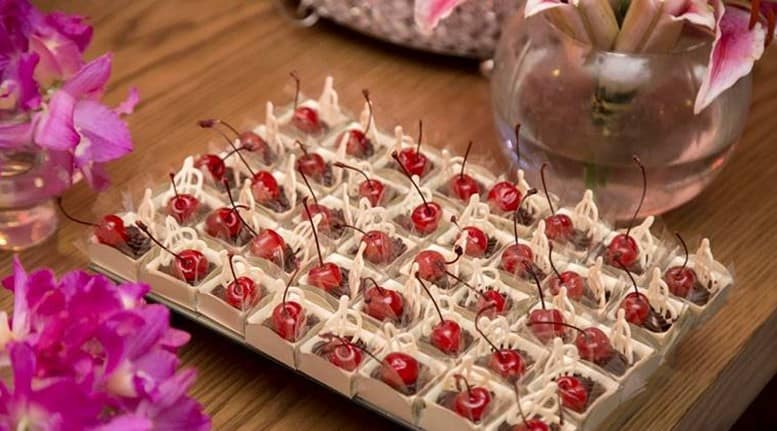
[621, 337]
[446, 304]
[374, 218]
[413, 294]
[242, 269]
[364, 120]
[562, 360]
[145, 212]
[535, 205]
[564, 304]
[179, 238]
[412, 200]
[482, 276]
[329, 103]
[347, 209]
[355, 179]
[356, 271]
[187, 181]
[345, 322]
[658, 295]
[586, 212]
[541, 248]
[704, 263]
[272, 131]
[543, 403]
[596, 281]
[498, 332]
[302, 238]
[290, 181]
[395, 340]
[474, 375]
[246, 198]
[641, 234]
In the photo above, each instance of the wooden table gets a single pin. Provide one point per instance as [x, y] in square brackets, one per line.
[197, 59]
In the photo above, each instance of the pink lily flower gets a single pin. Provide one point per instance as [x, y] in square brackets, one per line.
[429, 13]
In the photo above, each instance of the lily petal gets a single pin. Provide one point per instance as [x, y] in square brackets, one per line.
[735, 50]
[128, 105]
[429, 13]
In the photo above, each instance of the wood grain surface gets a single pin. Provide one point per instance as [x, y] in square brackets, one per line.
[197, 59]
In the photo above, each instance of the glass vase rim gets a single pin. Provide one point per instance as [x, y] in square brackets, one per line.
[701, 44]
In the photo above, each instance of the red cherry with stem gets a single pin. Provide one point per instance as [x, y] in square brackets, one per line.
[486, 298]
[182, 206]
[571, 280]
[382, 304]
[545, 324]
[325, 275]
[594, 346]
[357, 142]
[213, 165]
[504, 196]
[211, 123]
[190, 265]
[472, 402]
[399, 370]
[411, 159]
[425, 217]
[310, 164]
[558, 227]
[463, 186]
[109, 231]
[288, 317]
[446, 335]
[304, 118]
[312, 210]
[681, 279]
[574, 395]
[431, 264]
[242, 292]
[508, 363]
[379, 248]
[373, 190]
[477, 240]
[343, 354]
[254, 143]
[269, 244]
[517, 259]
[264, 187]
[635, 304]
[623, 248]
[227, 223]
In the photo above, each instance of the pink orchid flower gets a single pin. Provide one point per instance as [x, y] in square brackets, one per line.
[429, 13]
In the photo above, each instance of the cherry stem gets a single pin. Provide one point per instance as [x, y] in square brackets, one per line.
[459, 252]
[214, 121]
[420, 136]
[517, 146]
[313, 226]
[480, 331]
[560, 409]
[410, 177]
[516, 214]
[467, 285]
[233, 151]
[142, 226]
[539, 288]
[455, 221]
[644, 192]
[566, 325]
[286, 289]
[366, 94]
[172, 181]
[685, 248]
[361, 231]
[232, 266]
[552, 265]
[346, 342]
[310, 189]
[301, 147]
[520, 408]
[545, 187]
[631, 277]
[458, 378]
[70, 217]
[375, 283]
[426, 289]
[236, 207]
[208, 124]
[342, 165]
[297, 85]
[755, 13]
[464, 162]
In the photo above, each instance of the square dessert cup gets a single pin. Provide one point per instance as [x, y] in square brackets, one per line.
[340, 214]
[330, 181]
[604, 394]
[532, 208]
[650, 250]
[275, 210]
[485, 278]
[380, 387]
[353, 274]
[211, 295]
[545, 334]
[345, 326]
[126, 260]
[299, 252]
[434, 157]
[439, 399]
[430, 320]
[588, 230]
[414, 303]
[447, 284]
[377, 147]
[157, 272]
[401, 216]
[350, 246]
[521, 278]
[260, 332]
[541, 406]
[326, 106]
[599, 288]
[395, 185]
[496, 238]
[451, 170]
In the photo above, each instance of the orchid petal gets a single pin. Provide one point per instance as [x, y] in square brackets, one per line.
[21, 310]
[60, 57]
[96, 176]
[90, 81]
[735, 50]
[429, 13]
[128, 105]
[107, 136]
[55, 129]
[72, 27]
[131, 422]
[14, 135]
[20, 72]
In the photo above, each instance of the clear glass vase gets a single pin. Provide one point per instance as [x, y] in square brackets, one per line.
[588, 111]
[29, 182]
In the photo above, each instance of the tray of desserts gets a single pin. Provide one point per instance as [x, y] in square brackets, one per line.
[409, 279]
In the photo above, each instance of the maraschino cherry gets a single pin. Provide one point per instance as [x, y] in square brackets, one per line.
[592, 344]
[476, 242]
[288, 317]
[545, 324]
[504, 196]
[379, 247]
[305, 118]
[508, 363]
[573, 394]
[570, 279]
[446, 335]
[373, 190]
[249, 141]
[518, 259]
[635, 304]
[529, 424]
[270, 245]
[311, 164]
[425, 217]
[399, 370]
[190, 265]
[432, 266]
[327, 223]
[382, 304]
[463, 186]
[213, 165]
[343, 354]
[182, 206]
[681, 279]
[558, 227]
[623, 248]
[109, 231]
[326, 275]
[411, 159]
[472, 402]
[242, 292]
[491, 300]
[357, 142]
[226, 223]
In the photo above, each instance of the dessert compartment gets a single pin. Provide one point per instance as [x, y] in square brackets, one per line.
[341, 213]
[126, 260]
[350, 247]
[401, 141]
[353, 273]
[412, 305]
[594, 304]
[395, 185]
[377, 148]
[451, 168]
[487, 278]
[541, 405]
[461, 268]
[650, 250]
[430, 319]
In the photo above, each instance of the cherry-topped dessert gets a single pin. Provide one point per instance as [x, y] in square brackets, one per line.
[249, 142]
[190, 265]
[305, 118]
[507, 363]
[374, 190]
[314, 166]
[533, 424]
[112, 232]
[574, 392]
[546, 324]
[491, 300]
[504, 198]
[470, 402]
[182, 206]
[380, 249]
[227, 224]
[573, 281]
[477, 243]
[288, 317]
[331, 223]
[382, 304]
[425, 218]
[639, 311]
[341, 352]
[558, 227]
[270, 245]
[243, 292]
[326, 276]
[447, 336]
[400, 371]
[412, 161]
[683, 281]
[623, 248]
[463, 186]
[432, 266]
[357, 142]
[213, 165]
[518, 259]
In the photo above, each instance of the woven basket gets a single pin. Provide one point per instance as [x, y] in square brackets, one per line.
[471, 31]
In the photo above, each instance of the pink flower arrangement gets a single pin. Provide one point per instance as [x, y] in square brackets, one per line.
[740, 30]
[87, 355]
[50, 95]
